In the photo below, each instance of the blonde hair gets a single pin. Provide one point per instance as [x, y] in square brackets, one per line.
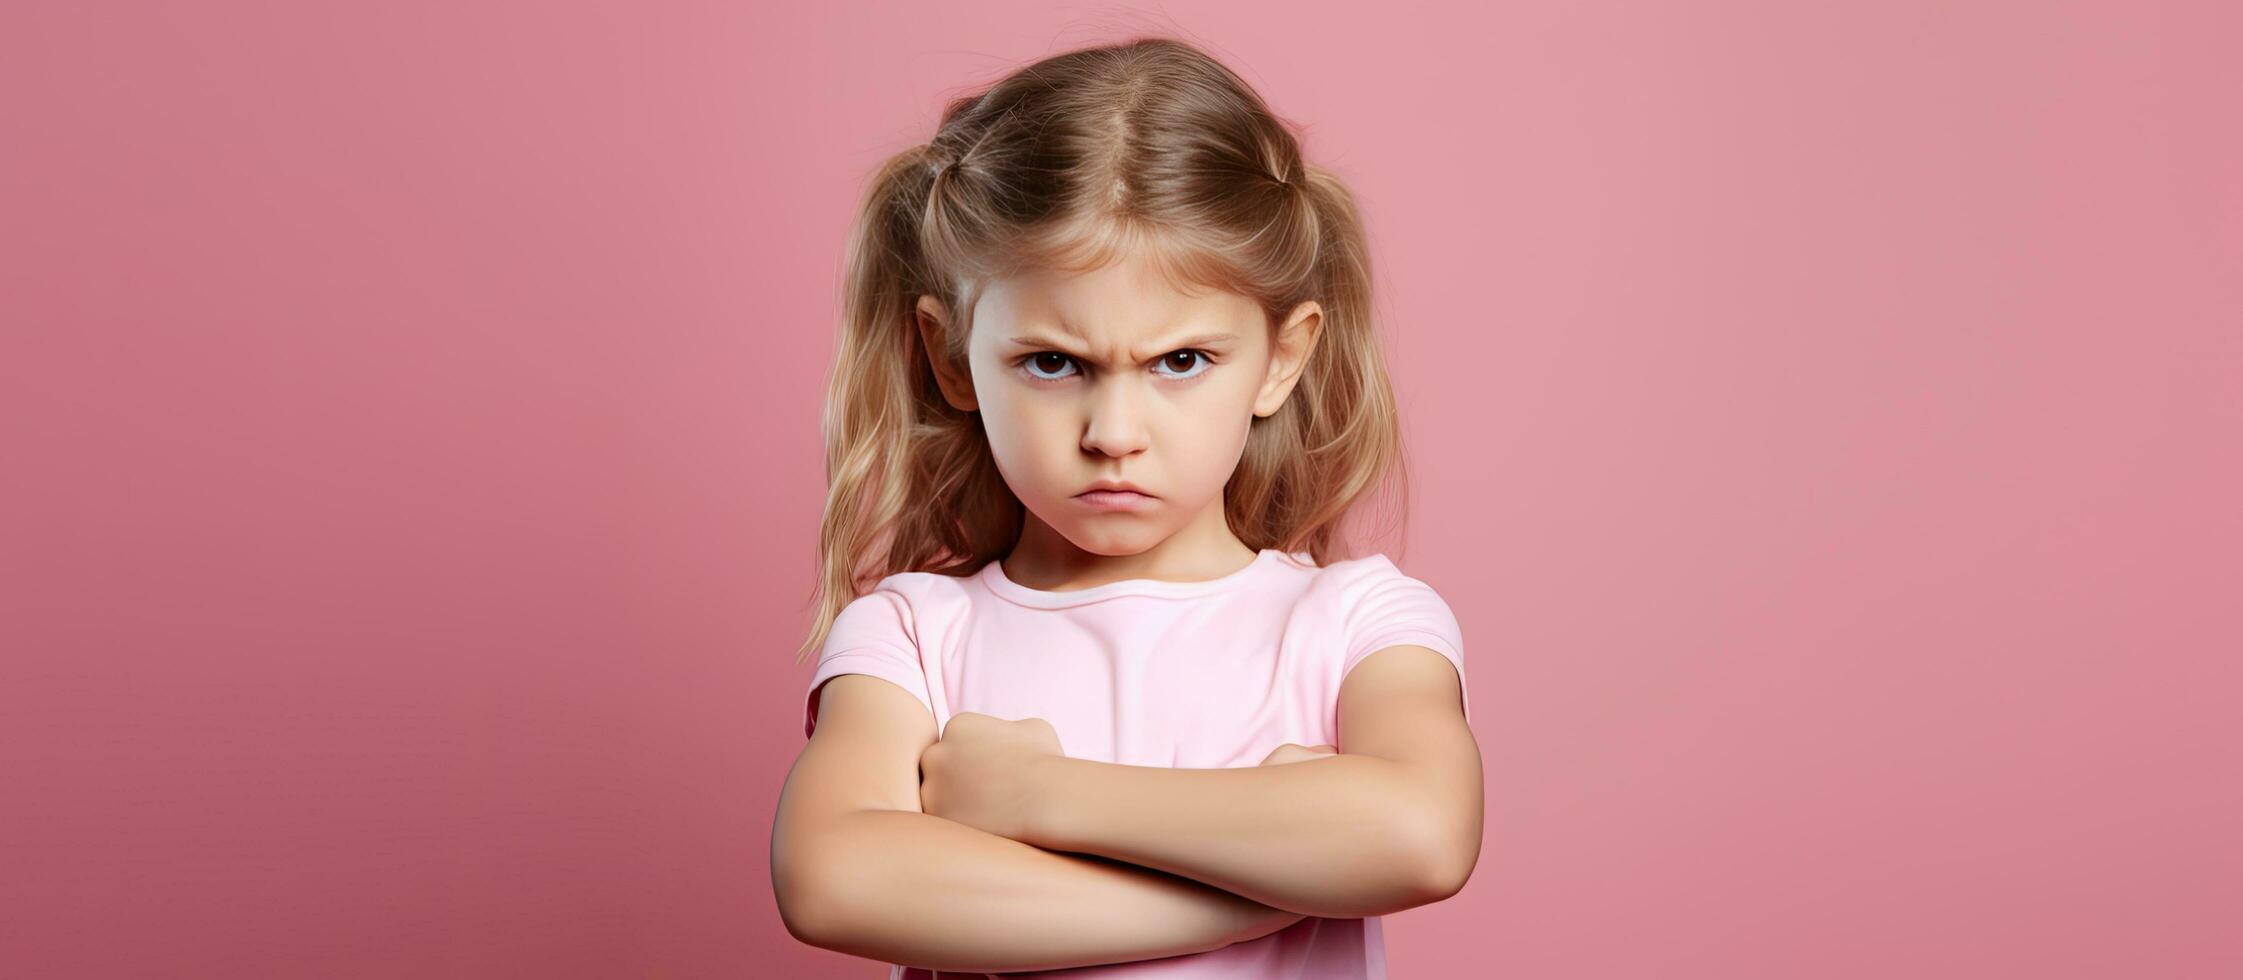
[1067, 164]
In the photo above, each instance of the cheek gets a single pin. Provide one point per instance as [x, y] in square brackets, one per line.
[1230, 414]
[1026, 439]
[1217, 446]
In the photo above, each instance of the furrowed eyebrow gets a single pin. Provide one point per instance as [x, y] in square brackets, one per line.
[1197, 340]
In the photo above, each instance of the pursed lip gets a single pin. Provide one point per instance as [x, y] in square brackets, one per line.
[1117, 485]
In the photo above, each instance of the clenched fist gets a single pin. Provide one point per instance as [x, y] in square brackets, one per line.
[983, 772]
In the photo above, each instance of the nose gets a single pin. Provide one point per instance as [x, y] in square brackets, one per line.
[1116, 426]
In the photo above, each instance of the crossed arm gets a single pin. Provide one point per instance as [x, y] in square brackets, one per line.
[1068, 862]
[1391, 822]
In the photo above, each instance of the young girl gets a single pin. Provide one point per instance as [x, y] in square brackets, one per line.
[1107, 387]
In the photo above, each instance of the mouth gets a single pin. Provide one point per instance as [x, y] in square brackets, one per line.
[1115, 499]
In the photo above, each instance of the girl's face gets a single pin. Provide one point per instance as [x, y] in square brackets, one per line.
[1115, 375]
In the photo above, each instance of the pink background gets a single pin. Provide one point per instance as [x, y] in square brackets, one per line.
[1827, 425]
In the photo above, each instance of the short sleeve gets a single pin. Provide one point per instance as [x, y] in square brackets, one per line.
[874, 634]
[1387, 608]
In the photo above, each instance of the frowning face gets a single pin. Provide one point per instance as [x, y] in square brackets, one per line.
[1116, 376]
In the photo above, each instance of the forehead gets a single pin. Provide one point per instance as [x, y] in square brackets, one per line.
[1123, 304]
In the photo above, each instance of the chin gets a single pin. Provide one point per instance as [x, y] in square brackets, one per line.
[1113, 542]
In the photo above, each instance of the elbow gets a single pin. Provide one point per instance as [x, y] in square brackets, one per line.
[808, 905]
[809, 918]
[1444, 877]
[1445, 859]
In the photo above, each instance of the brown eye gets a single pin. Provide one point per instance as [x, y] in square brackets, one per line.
[1186, 359]
[1043, 359]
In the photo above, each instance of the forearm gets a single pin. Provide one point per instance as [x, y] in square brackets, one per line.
[919, 890]
[1341, 837]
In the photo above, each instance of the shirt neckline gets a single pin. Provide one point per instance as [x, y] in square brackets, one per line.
[992, 576]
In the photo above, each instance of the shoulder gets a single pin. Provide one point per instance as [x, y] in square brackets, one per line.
[930, 587]
[1383, 607]
[1353, 581]
[1378, 605]
[888, 632]
[908, 599]
[1358, 570]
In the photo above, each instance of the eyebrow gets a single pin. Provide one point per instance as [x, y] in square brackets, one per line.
[1196, 340]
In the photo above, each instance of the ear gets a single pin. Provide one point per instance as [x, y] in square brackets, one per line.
[1295, 340]
[957, 384]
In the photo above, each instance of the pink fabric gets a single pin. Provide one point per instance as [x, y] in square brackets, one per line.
[1198, 675]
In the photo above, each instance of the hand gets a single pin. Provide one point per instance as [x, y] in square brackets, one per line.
[984, 772]
[1289, 752]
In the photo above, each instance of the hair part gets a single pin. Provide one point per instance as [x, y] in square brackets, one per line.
[1148, 147]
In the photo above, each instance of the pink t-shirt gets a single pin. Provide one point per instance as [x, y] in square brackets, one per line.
[1194, 675]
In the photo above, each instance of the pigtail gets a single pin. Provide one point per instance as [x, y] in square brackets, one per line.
[1337, 441]
[910, 483]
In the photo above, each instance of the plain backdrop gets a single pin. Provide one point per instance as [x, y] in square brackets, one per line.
[1827, 425]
